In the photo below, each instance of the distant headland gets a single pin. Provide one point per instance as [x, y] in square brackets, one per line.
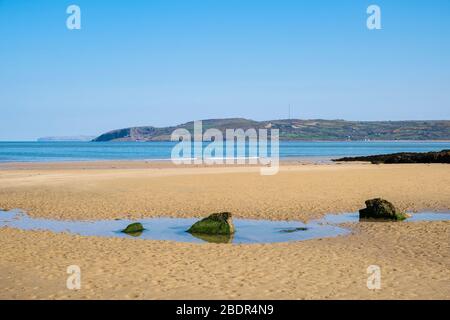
[301, 130]
[66, 138]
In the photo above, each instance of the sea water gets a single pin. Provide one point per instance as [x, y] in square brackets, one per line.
[159, 150]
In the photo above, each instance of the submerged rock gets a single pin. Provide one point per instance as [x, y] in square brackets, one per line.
[381, 209]
[292, 230]
[134, 228]
[215, 224]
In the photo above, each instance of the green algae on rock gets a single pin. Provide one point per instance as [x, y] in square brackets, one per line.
[134, 228]
[381, 209]
[215, 224]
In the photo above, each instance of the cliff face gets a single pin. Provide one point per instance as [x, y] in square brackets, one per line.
[295, 129]
[121, 134]
[128, 134]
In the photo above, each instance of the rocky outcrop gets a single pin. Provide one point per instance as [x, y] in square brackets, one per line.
[381, 209]
[130, 134]
[404, 157]
[215, 224]
[133, 228]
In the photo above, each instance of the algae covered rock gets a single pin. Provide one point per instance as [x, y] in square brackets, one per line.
[134, 228]
[215, 224]
[381, 209]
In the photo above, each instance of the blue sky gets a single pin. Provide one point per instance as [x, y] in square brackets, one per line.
[163, 62]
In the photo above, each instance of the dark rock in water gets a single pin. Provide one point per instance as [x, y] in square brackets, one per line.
[215, 224]
[134, 228]
[381, 209]
[404, 157]
[291, 230]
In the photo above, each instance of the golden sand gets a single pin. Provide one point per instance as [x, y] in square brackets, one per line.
[414, 257]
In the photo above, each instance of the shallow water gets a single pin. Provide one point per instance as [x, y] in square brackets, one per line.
[415, 217]
[174, 229]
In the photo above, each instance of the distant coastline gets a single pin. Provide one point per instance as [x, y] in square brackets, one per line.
[301, 130]
[65, 138]
[281, 140]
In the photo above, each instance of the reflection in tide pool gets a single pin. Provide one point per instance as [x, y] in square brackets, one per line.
[174, 229]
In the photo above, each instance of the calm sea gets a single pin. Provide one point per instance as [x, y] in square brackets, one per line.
[78, 151]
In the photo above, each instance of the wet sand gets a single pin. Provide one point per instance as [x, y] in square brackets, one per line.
[414, 257]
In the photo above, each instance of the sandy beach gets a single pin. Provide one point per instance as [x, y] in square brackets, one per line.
[414, 257]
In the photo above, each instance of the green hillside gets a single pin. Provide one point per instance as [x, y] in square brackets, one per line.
[296, 129]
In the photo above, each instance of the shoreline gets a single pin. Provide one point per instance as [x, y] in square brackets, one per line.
[281, 140]
[138, 163]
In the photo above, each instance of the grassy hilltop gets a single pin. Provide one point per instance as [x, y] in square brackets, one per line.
[296, 129]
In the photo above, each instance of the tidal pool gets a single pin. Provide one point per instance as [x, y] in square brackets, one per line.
[174, 229]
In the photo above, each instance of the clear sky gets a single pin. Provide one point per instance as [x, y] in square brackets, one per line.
[164, 62]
